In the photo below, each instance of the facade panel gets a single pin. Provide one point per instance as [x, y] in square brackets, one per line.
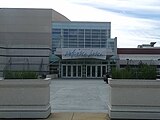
[25, 35]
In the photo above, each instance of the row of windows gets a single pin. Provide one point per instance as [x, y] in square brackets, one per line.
[81, 45]
[81, 38]
[76, 32]
[80, 30]
[80, 35]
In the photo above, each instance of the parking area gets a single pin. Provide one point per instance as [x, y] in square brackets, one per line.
[79, 95]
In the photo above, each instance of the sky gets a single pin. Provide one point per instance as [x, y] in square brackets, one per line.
[133, 22]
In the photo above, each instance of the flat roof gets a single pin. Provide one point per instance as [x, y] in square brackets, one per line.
[138, 50]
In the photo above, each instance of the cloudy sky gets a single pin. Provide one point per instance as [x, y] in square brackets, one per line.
[133, 21]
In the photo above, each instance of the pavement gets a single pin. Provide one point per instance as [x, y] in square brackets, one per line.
[72, 116]
[77, 116]
[79, 95]
[79, 99]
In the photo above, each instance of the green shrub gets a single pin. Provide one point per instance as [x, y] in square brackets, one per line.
[143, 71]
[146, 72]
[20, 75]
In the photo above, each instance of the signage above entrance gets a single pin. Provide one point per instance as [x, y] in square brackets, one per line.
[74, 53]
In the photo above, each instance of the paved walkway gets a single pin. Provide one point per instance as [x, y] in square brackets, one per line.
[72, 116]
[79, 95]
[77, 116]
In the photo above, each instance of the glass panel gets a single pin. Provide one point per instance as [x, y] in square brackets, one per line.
[88, 71]
[79, 71]
[64, 71]
[93, 71]
[98, 71]
[103, 70]
[74, 71]
[69, 71]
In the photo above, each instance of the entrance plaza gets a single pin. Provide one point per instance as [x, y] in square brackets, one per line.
[79, 99]
[79, 95]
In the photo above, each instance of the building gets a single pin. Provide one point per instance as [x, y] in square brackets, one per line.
[135, 56]
[25, 38]
[79, 49]
[82, 49]
[39, 39]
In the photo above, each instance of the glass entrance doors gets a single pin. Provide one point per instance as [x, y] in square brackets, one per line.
[93, 71]
[74, 71]
[79, 71]
[88, 71]
[69, 71]
[83, 71]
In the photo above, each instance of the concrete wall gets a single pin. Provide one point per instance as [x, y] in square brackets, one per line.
[25, 39]
[25, 98]
[134, 99]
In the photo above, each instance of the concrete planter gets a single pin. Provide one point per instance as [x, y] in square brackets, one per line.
[134, 99]
[25, 98]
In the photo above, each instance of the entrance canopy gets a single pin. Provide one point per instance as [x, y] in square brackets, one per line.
[78, 53]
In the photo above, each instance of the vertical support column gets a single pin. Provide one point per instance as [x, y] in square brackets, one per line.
[60, 69]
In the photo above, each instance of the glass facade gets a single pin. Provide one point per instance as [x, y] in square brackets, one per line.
[80, 38]
[82, 35]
